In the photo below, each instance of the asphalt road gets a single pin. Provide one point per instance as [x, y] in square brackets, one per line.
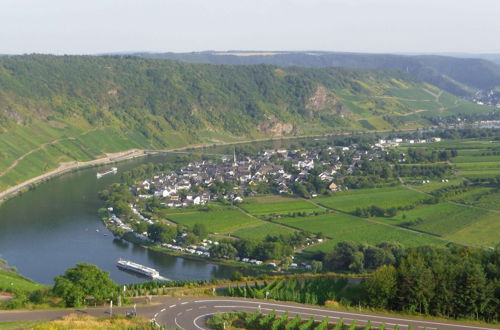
[192, 313]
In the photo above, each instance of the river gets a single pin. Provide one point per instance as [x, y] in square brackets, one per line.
[55, 226]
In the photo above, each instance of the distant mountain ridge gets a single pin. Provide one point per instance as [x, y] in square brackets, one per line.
[459, 76]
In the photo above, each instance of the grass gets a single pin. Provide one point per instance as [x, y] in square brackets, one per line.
[74, 321]
[343, 227]
[13, 281]
[435, 185]
[223, 221]
[348, 201]
[479, 169]
[278, 205]
[19, 325]
[260, 231]
[484, 232]
[461, 224]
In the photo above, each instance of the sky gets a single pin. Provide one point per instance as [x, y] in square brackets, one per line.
[375, 26]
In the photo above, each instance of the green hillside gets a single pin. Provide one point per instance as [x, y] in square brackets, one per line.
[459, 76]
[64, 108]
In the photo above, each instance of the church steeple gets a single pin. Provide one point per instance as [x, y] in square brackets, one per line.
[235, 163]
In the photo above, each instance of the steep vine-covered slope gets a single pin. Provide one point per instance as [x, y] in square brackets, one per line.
[64, 108]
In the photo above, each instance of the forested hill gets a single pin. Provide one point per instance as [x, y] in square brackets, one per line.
[459, 76]
[66, 108]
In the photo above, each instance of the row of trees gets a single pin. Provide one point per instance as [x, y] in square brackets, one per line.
[453, 282]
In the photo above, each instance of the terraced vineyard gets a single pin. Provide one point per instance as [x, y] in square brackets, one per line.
[338, 227]
[278, 205]
[224, 221]
[348, 201]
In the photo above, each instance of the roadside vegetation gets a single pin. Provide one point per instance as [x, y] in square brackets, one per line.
[76, 322]
[453, 282]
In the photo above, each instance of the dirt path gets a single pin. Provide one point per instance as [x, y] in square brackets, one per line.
[16, 162]
[385, 224]
[449, 201]
[437, 98]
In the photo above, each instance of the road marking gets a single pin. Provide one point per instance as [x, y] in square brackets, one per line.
[201, 307]
[156, 315]
[162, 310]
[178, 325]
[346, 313]
[184, 303]
[172, 306]
[197, 318]
[179, 314]
[189, 309]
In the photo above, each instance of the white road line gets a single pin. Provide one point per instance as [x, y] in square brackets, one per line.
[197, 318]
[201, 307]
[346, 313]
[172, 306]
[184, 303]
[179, 314]
[189, 309]
[162, 310]
[156, 315]
[178, 325]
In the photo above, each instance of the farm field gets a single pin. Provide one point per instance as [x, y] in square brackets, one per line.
[348, 201]
[278, 205]
[260, 231]
[222, 222]
[434, 185]
[343, 227]
[479, 169]
[472, 195]
[489, 201]
[484, 232]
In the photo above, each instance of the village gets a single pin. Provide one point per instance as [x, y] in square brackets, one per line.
[199, 182]
[229, 179]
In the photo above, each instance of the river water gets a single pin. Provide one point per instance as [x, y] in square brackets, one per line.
[55, 226]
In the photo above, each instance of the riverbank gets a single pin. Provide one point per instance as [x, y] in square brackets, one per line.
[134, 153]
[68, 167]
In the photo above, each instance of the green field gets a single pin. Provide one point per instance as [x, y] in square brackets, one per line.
[220, 221]
[343, 227]
[19, 325]
[348, 201]
[484, 232]
[260, 231]
[434, 185]
[278, 205]
[13, 281]
[479, 169]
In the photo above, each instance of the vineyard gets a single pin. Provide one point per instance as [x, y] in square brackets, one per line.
[314, 291]
[273, 321]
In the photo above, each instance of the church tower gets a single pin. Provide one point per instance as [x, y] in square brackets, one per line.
[235, 163]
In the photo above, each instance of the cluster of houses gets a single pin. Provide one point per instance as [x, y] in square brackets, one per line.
[203, 250]
[181, 188]
[396, 141]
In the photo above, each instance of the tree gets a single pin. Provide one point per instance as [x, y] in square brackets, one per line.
[161, 232]
[200, 230]
[374, 257]
[83, 281]
[316, 266]
[381, 287]
[223, 250]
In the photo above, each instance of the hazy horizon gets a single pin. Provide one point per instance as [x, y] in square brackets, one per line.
[364, 26]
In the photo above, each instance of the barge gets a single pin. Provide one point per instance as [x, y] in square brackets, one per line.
[112, 170]
[139, 269]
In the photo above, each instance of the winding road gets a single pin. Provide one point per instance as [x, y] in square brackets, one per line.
[192, 313]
